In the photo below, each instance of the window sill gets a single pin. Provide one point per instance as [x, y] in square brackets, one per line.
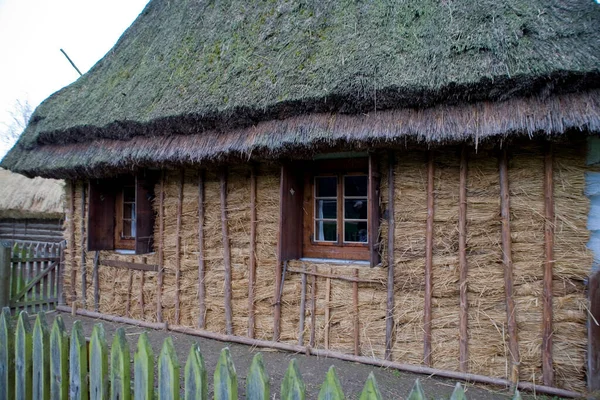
[123, 251]
[336, 261]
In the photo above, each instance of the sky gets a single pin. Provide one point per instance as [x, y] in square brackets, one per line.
[32, 32]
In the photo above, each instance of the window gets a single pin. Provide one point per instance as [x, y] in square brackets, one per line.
[120, 213]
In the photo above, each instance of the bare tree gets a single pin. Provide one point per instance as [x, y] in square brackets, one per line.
[19, 117]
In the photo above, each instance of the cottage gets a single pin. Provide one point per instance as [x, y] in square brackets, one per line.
[396, 180]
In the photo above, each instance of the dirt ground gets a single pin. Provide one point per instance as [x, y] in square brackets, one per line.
[392, 384]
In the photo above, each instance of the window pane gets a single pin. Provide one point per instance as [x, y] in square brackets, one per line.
[326, 186]
[129, 194]
[326, 231]
[126, 229]
[355, 185]
[355, 232]
[355, 209]
[129, 211]
[326, 209]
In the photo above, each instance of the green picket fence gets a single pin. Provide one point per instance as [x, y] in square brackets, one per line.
[48, 363]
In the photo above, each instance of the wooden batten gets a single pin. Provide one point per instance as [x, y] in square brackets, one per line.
[83, 247]
[252, 265]
[356, 315]
[513, 345]
[96, 279]
[178, 248]
[463, 266]
[142, 282]
[161, 245]
[72, 241]
[302, 308]
[389, 317]
[129, 289]
[547, 367]
[313, 308]
[201, 264]
[428, 262]
[327, 310]
[226, 253]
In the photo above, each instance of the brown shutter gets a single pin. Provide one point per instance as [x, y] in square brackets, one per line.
[101, 220]
[290, 203]
[144, 216]
[373, 211]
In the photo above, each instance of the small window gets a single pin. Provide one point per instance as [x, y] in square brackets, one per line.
[125, 215]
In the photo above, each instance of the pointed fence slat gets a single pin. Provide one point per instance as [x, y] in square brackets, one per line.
[417, 392]
[120, 376]
[98, 364]
[371, 390]
[59, 360]
[23, 370]
[7, 353]
[78, 364]
[168, 372]
[293, 387]
[143, 369]
[458, 393]
[225, 380]
[41, 358]
[331, 389]
[196, 377]
[257, 382]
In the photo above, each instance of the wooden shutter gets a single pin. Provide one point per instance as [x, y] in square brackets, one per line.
[144, 215]
[373, 211]
[101, 219]
[290, 205]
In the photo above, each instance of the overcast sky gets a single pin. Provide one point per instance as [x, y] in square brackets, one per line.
[32, 32]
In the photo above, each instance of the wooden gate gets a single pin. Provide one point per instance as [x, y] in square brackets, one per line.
[35, 276]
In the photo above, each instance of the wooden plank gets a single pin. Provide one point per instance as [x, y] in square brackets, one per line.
[161, 239]
[225, 378]
[389, 317]
[547, 365]
[33, 282]
[41, 359]
[131, 265]
[7, 356]
[252, 266]
[257, 380]
[96, 280]
[59, 360]
[594, 333]
[178, 247]
[463, 266]
[5, 269]
[60, 274]
[34, 259]
[168, 371]
[144, 212]
[513, 346]
[331, 389]
[313, 308]
[51, 300]
[129, 287]
[226, 252]
[143, 369]
[373, 211]
[428, 262]
[120, 375]
[23, 365]
[201, 255]
[196, 376]
[99, 373]
[356, 315]
[327, 310]
[142, 282]
[338, 277]
[83, 248]
[293, 386]
[101, 215]
[302, 307]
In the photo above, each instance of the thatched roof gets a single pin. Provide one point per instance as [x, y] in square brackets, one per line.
[206, 68]
[22, 197]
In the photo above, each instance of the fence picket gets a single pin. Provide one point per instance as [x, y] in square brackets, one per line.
[78, 364]
[98, 364]
[23, 384]
[371, 390]
[417, 392]
[168, 372]
[143, 369]
[257, 383]
[458, 393]
[41, 358]
[225, 380]
[293, 387]
[59, 360]
[517, 395]
[331, 389]
[196, 380]
[7, 353]
[120, 375]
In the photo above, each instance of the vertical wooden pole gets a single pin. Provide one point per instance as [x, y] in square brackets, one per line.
[428, 260]
[161, 241]
[327, 311]
[389, 318]
[129, 287]
[142, 282]
[302, 307]
[313, 308]
[201, 264]
[96, 280]
[83, 251]
[513, 345]
[178, 249]
[279, 265]
[594, 333]
[5, 263]
[462, 257]
[72, 240]
[226, 253]
[60, 274]
[252, 266]
[547, 367]
[356, 316]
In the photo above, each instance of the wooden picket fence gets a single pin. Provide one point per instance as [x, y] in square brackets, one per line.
[48, 363]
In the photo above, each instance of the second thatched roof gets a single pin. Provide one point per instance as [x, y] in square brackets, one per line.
[38, 198]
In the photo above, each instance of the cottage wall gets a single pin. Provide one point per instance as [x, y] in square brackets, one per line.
[335, 319]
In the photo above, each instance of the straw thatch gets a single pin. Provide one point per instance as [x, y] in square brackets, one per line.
[38, 198]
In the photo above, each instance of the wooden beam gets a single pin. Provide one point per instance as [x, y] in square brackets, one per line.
[547, 365]
[129, 287]
[161, 241]
[201, 264]
[327, 310]
[338, 277]
[252, 266]
[226, 252]
[178, 248]
[60, 274]
[513, 345]
[96, 279]
[356, 316]
[131, 265]
[313, 308]
[428, 261]
[72, 240]
[389, 317]
[142, 282]
[463, 266]
[302, 308]
[83, 248]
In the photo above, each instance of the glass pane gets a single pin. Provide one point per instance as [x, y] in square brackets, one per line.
[126, 229]
[355, 208]
[326, 231]
[355, 232]
[326, 186]
[355, 185]
[129, 194]
[326, 209]
[129, 210]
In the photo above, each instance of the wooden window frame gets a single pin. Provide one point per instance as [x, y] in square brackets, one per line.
[121, 242]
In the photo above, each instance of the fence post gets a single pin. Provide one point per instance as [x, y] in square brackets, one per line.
[257, 382]
[371, 390]
[23, 384]
[5, 254]
[168, 372]
[98, 364]
[78, 364]
[59, 360]
[292, 387]
[41, 358]
[120, 375]
[331, 389]
[143, 369]
[225, 380]
[196, 381]
[7, 353]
